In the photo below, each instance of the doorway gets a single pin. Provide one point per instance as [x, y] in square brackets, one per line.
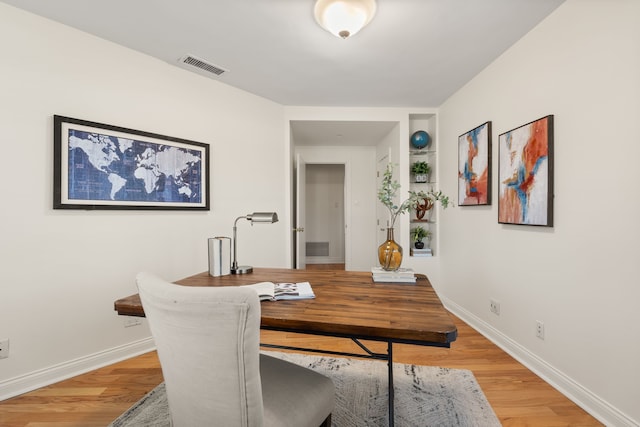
[325, 214]
[355, 147]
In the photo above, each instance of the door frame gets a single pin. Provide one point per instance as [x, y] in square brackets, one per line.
[296, 251]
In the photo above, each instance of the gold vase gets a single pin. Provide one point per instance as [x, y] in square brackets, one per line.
[390, 253]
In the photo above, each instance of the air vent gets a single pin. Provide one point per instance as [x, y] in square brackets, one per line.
[317, 249]
[201, 64]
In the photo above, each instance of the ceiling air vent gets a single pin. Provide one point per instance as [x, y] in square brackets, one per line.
[193, 62]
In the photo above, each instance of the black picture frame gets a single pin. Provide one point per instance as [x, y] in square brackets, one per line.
[525, 162]
[474, 166]
[106, 167]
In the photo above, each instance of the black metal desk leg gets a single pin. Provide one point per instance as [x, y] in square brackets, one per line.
[390, 363]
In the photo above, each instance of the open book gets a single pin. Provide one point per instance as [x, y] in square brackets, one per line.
[269, 291]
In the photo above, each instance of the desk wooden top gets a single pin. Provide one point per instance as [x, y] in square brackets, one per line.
[347, 304]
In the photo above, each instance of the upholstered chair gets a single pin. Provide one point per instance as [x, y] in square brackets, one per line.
[208, 345]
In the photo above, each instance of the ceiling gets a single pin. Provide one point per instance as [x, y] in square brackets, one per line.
[414, 53]
[338, 133]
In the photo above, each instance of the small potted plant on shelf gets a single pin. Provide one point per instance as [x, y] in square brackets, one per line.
[420, 171]
[418, 234]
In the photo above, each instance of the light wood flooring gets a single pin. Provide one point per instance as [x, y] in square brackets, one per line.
[518, 396]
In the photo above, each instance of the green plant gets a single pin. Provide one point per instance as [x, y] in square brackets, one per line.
[420, 168]
[387, 195]
[418, 233]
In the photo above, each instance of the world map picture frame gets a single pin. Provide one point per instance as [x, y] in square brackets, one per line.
[103, 167]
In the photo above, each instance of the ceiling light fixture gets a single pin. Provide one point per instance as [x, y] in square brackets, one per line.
[344, 18]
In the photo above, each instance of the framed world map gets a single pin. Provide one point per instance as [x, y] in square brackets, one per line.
[98, 166]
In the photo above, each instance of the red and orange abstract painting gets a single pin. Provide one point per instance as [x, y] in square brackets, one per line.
[526, 174]
[474, 166]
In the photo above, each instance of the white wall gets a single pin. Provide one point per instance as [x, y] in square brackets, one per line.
[61, 270]
[387, 151]
[580, 277]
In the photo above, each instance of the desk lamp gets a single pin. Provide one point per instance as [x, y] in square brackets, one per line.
[264, 217]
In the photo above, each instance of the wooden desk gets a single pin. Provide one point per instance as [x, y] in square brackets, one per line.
[347, 304]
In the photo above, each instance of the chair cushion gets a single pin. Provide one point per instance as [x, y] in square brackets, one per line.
[294, 396]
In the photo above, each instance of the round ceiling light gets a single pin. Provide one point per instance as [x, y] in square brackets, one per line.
[344, 18]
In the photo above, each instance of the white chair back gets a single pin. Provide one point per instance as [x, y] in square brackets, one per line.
[208, 344]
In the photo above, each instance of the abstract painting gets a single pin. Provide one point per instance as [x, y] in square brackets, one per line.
[526, 174]
[474, 166]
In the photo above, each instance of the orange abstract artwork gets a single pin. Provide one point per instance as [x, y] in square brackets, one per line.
[474, 166]
[526, 174]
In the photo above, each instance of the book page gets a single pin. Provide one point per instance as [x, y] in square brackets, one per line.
[293, 291]
[282, 291]
[265, 290]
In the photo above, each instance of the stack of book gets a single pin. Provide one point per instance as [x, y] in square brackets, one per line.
[401, 275]
[421, 252]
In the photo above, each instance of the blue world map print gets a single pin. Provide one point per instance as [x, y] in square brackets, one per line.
[104, 167]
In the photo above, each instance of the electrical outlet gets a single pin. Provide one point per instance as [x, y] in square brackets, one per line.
[494, 306]
[4, 348]
[130, 321]
[540, 329]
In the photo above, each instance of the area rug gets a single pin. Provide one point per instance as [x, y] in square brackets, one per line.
[424, 396]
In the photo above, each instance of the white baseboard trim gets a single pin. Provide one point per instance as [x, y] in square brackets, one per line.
[44, 377]
[587, 400]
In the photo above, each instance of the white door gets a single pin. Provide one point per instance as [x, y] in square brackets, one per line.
[301, 200]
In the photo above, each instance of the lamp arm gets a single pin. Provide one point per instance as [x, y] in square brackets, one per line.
[234, 266]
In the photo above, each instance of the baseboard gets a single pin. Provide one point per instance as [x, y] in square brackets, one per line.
[34, 380]
[587, 400]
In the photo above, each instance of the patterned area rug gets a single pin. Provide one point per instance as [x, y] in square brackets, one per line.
[424, 396]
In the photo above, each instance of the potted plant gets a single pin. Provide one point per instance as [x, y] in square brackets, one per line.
[387, 195]
[390, 253]
[421, 171]
[418, 234]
